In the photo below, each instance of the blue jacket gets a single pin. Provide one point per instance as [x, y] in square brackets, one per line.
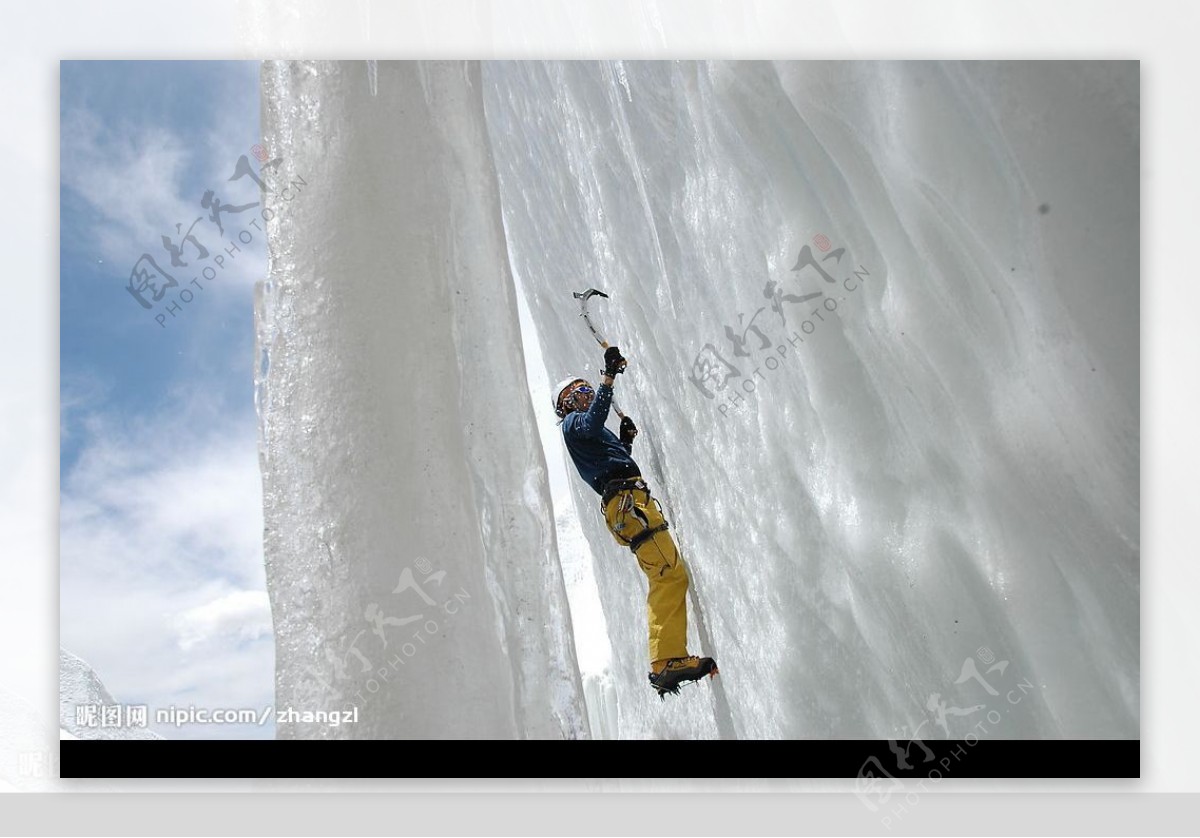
[597, 452]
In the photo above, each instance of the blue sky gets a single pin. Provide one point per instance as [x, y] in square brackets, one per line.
[162, 586]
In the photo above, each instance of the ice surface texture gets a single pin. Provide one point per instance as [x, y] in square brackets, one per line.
[944, 468]
[405, 491]
[947, 462]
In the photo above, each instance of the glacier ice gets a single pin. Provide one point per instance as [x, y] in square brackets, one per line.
[408, 537]
[930, 464]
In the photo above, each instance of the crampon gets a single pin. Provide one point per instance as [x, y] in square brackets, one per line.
[679, 671]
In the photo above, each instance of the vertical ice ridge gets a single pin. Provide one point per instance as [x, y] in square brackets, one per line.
[408, 564]
[520, 550]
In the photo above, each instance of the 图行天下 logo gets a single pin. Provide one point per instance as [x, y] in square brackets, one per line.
[712, 371]
[165, 282]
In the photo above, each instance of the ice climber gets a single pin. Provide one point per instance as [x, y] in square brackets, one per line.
[634, 518]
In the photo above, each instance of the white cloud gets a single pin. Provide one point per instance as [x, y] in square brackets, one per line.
[241, 615]
[162, 585]
[76, 392]
[230, 136]
[162, 578]
[182, 478]
[131, 176]
[141, 182]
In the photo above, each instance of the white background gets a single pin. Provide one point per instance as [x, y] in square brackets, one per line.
[1160, 34]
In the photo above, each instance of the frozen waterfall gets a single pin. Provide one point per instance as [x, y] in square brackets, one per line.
[882, 325]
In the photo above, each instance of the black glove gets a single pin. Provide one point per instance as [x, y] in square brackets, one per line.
[628, 431]
[614, 363]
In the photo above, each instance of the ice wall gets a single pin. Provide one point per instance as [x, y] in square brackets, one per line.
[410, 547]
[939, 459]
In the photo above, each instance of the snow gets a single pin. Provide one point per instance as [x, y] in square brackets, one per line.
[944, 468]
[79, 685]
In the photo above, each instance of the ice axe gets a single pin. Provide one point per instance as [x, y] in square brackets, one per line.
[583, 297]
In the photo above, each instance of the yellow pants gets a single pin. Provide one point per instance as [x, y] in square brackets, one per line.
[627, 514]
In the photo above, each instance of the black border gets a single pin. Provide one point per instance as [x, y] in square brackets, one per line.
[871, 762]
